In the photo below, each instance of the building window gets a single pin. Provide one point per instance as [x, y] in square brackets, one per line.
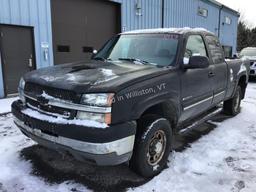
[227, 51]
[63, 48]
[202, 12]
[228, 20]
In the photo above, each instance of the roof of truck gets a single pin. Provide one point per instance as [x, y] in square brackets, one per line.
[168, 30]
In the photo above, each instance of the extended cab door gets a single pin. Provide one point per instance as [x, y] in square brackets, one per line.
[220, 68]
[196, 84]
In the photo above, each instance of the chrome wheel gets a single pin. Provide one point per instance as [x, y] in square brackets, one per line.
[156, 148]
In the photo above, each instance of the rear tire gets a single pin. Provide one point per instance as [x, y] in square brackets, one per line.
[232, 106]
[152, 146]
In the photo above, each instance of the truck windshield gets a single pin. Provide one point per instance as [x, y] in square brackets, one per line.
[249, 52]
[151, 49]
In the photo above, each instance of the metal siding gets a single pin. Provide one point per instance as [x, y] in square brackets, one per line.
[183, 13]
[33, 13]
[151, 14]
[228, 33]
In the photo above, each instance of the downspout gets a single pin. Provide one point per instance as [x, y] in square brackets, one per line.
[163, 12]
[220, 10]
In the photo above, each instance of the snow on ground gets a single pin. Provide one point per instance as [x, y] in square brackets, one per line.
[223, 161]
[5, 105]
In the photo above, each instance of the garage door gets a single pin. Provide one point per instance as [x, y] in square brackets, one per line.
[82, 25]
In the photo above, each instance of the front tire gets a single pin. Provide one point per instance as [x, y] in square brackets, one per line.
[152, 146]
[232, 106]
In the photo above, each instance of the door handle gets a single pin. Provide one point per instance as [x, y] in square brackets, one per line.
[211, 74]
[30, 62]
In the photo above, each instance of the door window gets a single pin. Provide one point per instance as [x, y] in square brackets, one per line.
[195, 47]
[215, 49]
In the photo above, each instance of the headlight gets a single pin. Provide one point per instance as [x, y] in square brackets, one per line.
[21, 90]
[101, 99]
[101, 118]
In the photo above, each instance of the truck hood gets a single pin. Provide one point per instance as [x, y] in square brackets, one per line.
[93, 76]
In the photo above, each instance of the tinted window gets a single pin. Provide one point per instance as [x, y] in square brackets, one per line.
[215, 49]
[195, 47]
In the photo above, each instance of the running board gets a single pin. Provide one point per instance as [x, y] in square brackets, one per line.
[202, 120]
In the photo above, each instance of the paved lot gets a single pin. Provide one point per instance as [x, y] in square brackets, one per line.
[224, 159]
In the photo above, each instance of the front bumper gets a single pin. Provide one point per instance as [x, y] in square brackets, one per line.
[110, 146]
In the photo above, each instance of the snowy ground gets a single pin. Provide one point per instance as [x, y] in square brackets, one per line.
[5, 105]
[224, 160]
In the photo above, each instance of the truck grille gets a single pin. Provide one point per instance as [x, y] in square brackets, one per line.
[50, 110]
[33, 91]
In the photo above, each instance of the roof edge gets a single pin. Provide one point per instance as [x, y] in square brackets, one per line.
[223, 6]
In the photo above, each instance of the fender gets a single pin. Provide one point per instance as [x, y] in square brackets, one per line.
[243, 72]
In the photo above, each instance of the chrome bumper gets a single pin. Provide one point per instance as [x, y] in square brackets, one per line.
[119, 148]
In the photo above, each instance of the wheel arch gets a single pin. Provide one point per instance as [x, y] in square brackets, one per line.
[242, 82]
[166, 110]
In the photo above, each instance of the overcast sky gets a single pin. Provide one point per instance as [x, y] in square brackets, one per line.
[246, 7]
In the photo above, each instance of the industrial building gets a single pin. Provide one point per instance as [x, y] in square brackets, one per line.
[41, 33]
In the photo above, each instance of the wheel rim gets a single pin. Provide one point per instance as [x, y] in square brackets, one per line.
[237, 102]
[156, 148]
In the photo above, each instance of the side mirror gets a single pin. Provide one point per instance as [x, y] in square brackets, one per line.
[197, 62]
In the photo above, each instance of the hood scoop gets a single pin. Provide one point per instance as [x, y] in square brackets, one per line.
[81, 68]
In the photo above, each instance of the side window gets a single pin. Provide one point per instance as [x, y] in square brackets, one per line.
[195, 47]
[215, 49]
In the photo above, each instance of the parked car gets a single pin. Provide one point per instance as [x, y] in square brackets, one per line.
[136, 94]
[250, 53]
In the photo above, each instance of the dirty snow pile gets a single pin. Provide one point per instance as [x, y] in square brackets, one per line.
[222, 161]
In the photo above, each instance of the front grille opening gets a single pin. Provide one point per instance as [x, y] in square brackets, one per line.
[50, 110]
[35, 90]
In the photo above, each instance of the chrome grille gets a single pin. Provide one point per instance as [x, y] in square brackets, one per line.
[33, 95]
[35, 90]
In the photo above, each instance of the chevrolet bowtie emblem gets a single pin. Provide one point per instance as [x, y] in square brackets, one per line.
[42, 100]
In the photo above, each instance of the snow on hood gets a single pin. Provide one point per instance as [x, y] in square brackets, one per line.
[107, 75]
[80, 77]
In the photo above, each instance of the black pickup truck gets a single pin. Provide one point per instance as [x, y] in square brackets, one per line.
[128, 103]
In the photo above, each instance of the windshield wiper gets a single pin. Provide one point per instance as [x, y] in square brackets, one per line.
[136, 60]
[101, 59]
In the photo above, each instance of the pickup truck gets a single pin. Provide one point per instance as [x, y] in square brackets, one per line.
[132, 98]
